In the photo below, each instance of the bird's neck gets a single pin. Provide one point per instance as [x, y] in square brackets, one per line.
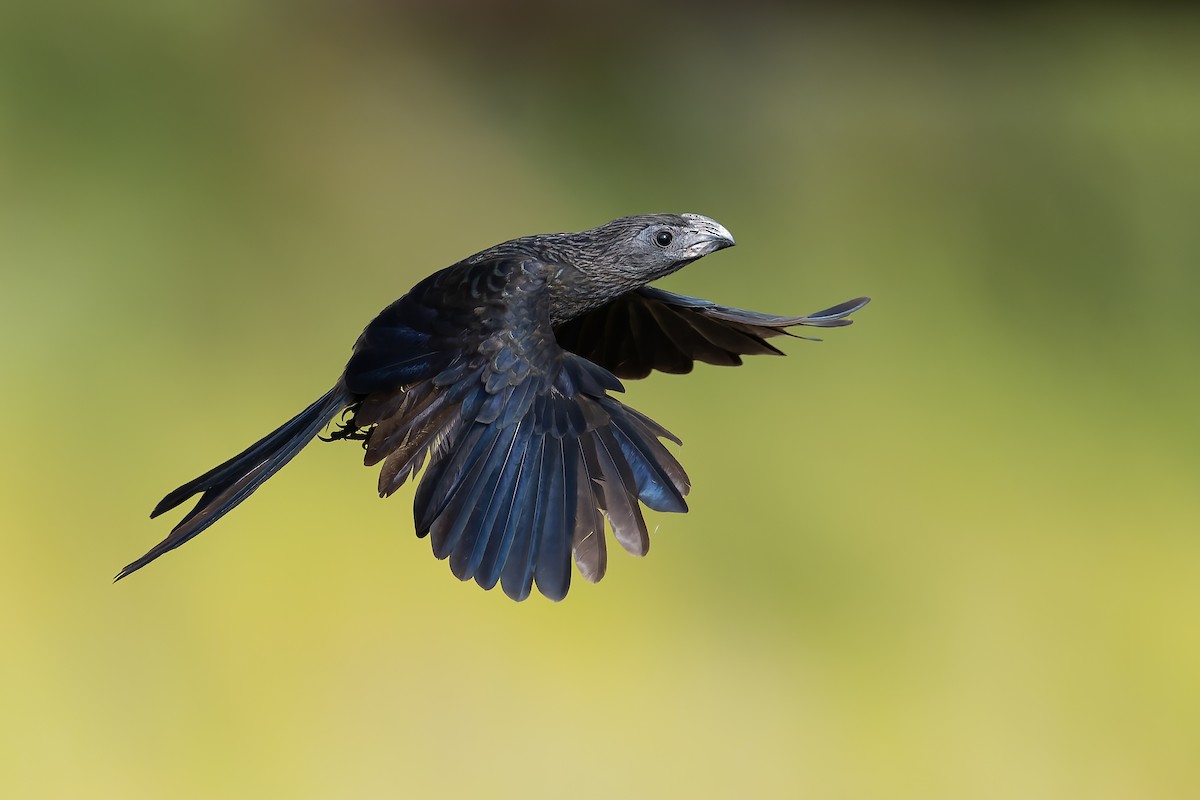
[575, 291]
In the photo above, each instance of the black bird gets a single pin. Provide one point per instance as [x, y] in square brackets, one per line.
[497, 372]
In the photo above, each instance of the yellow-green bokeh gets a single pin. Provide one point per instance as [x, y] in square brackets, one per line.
[952, 552]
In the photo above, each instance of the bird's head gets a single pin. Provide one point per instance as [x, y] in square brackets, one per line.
[649, 246]
[621, 256]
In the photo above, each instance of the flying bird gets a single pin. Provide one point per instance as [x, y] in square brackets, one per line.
[496, 375]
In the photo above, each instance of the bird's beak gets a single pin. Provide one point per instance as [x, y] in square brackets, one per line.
[710, 236]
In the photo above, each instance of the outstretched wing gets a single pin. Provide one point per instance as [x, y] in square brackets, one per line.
[526, 451]
[651, 329]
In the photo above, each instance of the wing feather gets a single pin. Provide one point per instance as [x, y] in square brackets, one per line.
[651, 329]
[525, 451]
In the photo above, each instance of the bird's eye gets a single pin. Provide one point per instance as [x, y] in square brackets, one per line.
[663, 238]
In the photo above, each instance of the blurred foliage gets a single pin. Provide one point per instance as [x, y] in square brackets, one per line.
[951, 552]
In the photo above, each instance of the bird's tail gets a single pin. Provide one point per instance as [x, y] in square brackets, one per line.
[230, 483]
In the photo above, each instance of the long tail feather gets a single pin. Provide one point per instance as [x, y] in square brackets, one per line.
[223, 487]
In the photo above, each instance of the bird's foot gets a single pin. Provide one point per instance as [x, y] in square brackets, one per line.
[347, 430]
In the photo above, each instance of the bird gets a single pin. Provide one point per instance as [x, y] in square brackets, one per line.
[494, 380]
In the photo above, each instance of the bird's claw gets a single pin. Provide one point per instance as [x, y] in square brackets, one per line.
[347, 430]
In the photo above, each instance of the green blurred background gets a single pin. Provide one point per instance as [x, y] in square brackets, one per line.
[952, 552]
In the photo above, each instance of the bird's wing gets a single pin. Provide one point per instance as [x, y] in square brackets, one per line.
[527, 452]
[651, 329]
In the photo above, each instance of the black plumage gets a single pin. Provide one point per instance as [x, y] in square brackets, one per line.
[494, 377]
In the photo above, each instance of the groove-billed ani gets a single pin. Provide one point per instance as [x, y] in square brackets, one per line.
[497, 372]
